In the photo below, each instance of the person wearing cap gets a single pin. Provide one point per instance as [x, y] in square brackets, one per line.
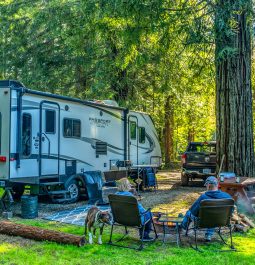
[212, 192]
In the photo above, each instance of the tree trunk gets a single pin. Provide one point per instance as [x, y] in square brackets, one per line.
[118, 82]
[233, 87]
[39, 234]
[169, 130]
[80, 80]
[191, 129]
[191, 134]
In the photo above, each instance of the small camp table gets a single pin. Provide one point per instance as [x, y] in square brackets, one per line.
[141, 174]
[165, 219]
[242, 192]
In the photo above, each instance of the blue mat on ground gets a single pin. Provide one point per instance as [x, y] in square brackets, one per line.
[75, 217]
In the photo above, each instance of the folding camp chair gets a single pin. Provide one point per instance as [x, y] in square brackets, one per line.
[96, 187]
[214, 214]
[150, 178]
[126, 213]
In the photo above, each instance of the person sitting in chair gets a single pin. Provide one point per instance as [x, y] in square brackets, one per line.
[125, 189]
[212, 192]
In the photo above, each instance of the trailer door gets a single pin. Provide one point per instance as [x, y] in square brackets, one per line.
[133, 139]
[49, 145]
[5, 119]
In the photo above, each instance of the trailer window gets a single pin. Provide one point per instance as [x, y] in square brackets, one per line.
[72, 128]
[50, 121]
[202, 147]
[26, 134]
[141, 135]
[132, 130]
[76, 128]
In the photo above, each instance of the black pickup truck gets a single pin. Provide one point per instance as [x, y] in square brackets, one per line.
[198, 161]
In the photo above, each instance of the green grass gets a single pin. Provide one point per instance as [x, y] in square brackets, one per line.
[15, 252]
[1, 191]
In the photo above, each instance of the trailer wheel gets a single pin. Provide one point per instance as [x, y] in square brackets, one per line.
[184, 180]
[74, 190]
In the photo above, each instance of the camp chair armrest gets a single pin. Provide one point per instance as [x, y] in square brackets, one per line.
[189, 216]
[147, 211]
[110, 184]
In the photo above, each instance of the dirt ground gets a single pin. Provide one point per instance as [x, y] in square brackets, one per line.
[170, 197]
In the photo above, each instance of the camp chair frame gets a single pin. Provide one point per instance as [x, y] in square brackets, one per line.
[126, 213]
[213, 214]
[146, 174]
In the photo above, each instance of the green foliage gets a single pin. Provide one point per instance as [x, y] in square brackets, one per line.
[137, 52]
[228, 14]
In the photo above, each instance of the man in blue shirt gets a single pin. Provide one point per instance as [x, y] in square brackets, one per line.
[212, 192]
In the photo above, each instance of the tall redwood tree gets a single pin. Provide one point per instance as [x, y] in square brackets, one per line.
[233, 86]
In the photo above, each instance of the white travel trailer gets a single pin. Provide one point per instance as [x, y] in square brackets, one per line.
[47, 140]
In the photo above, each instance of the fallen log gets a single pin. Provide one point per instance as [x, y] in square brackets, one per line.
[241, 228]
[246, 220]
[244, 224]
[236, 218]
[39, 234]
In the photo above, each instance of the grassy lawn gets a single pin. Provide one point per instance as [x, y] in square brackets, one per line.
[30, 252]
[19, 251]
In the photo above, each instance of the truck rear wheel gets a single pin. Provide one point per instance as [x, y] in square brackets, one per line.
[184, 180]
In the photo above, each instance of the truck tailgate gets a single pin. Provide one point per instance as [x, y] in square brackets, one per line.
[200, 158]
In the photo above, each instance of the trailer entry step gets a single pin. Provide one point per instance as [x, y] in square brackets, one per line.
[51, 183]
[58, 192]
[62, 200]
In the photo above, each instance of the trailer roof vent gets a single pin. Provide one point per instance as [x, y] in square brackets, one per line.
[101, 148]
[108, 102]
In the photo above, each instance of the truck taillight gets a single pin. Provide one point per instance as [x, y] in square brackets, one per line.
[2, 158]
[184, 157]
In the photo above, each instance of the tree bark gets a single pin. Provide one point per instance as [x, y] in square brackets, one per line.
[169, 130]
[191, 134]
[191, 129]
[39, 234]
[233, 87]
[118, 81]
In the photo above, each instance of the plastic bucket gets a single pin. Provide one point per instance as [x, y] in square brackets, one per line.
[29, 207]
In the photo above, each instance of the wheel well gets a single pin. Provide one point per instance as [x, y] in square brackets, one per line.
[81, 183]
[77, 178]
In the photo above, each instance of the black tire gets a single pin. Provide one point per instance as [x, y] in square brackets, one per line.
[74, 190]
[184, 180]
[17, 191]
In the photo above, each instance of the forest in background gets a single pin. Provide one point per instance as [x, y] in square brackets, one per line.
[149, 55]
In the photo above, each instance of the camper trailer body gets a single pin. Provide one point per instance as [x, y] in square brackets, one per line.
[50, 138]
